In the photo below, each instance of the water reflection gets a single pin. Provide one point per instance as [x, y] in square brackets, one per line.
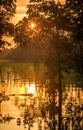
[25, 102]
[7, 118]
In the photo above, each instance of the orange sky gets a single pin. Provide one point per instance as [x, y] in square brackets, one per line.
[21, 10]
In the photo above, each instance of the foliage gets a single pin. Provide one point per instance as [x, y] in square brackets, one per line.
[48, 17]
[7, 11]
[74, 15]
[55, 23]
[3, 97]
[73, 114]
[26, 36]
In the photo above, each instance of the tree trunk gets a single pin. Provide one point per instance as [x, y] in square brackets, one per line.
[0, 107]
[60, 99]
[59, 74]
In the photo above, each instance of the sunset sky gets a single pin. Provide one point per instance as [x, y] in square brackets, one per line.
[21, 10]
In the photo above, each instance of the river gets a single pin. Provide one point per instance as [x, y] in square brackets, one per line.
[25, 102]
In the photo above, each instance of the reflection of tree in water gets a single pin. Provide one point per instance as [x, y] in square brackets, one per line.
[3, 97]
[7, 118]
[45, 117]
[74, 117]
[45, 113]
[28, 117]
[72, 120]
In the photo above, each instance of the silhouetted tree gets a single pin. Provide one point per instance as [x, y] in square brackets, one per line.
[75, 16]
[53, 24]
[74, 9]
[7, 11]
[56, 28]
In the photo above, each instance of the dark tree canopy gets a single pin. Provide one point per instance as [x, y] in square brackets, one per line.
[7, 11]
[74, 10]
[48, 17]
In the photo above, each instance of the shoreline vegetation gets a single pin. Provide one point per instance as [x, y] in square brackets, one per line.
[21, 54]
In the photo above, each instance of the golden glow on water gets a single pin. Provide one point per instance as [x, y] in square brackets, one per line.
[31, 89]
[27, 89]
[28, 97]
[2, 89]
[21, 90]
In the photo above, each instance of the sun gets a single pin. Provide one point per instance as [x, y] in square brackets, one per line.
[32, 25]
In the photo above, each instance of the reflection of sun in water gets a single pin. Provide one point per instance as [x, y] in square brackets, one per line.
[27, 89]
[31, 89]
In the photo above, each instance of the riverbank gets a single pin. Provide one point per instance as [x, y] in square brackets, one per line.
[24, 55]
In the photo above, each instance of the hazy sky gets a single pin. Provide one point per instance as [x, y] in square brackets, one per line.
[21, 10]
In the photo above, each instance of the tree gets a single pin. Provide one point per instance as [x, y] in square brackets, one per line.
[54, 15]
[74, 9]
[52, 26]
[7, 11]
[75, 15]
[30, 30]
